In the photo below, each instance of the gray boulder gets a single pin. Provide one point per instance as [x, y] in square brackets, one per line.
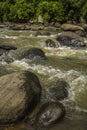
[49, 114]
[67, 41]
[19, 93]
[32, 54]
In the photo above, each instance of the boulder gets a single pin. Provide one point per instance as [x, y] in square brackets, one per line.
[80, 33]
[37, 34]
[58, 91]
[7, 47]
[83, 25]
[71, 27]
[19, 93]
[4, 53]
[72, 35]
[50, 113]
[47, 33]
[50, 43]
[6, 58]
[32, 54]
[17, 27]
[67, 41]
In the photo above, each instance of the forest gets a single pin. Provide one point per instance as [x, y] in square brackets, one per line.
[22, 11]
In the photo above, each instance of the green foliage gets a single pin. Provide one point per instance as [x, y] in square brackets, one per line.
[84, 11]
[21, 12]
[50, 10]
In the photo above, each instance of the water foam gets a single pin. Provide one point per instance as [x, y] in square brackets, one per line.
[66, 51]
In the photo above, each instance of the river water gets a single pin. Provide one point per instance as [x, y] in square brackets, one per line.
[63, 63]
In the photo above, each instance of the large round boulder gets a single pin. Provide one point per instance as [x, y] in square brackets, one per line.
[19, 93]
[71, 27]
[50, 113]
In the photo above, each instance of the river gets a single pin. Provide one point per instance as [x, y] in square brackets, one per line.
[63, 63]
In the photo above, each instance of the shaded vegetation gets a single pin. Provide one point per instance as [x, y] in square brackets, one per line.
[50, 10]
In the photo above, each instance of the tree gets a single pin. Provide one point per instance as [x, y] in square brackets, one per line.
[21, 12]
[51, 10]
[84, 11]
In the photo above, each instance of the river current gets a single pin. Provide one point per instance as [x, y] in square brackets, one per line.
[64, 63]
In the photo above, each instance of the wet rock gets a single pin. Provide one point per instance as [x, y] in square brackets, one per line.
[50, 43]
[71, 27]
[83, 25]
[37, 34]
[81, 33]
[32, 54]
[67, 41]
[70, 39]
[17, 27]
[46, 24]
[4, 53]
[7, 47]
[50, 113]
[72, 35]
[19, 94]
[47, 33]
[6, 58]
[58, 25]
[58, 91]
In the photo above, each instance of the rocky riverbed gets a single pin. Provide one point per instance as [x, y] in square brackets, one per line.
[43, 77]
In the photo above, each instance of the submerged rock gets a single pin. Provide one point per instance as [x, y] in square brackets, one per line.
[19, 93]
[4, 53]
[58, 91]
[49, 113]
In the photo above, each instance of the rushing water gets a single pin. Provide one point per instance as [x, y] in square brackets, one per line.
[63, 63]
